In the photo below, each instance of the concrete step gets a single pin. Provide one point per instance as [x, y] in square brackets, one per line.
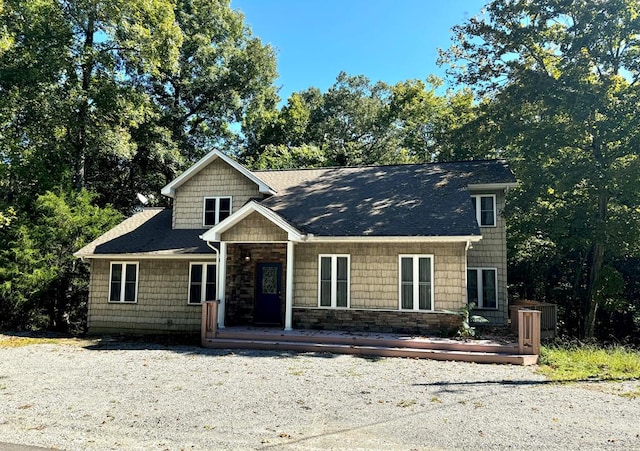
[357, 340]
[370, 350]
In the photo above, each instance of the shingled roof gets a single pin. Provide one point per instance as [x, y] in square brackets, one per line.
[376, 201]
[414, 200]
[147, 233]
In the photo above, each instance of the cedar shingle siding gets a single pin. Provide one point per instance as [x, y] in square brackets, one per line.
[374, 273]
[216, 179]
[491, 252]
[162, 300]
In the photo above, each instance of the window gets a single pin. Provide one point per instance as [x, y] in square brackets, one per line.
[482, 287]
[416, 282]
[123, 282]
[484, 207]
[216, 209]
[333, 281]
[202, 283]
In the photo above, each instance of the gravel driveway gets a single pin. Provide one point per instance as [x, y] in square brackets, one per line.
[113, 395]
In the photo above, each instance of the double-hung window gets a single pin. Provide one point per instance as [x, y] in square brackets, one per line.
[333, 281]
[484, 206]
[416, 282]
[123, 282]
[482, 287]
[202, 283]
[215, 210]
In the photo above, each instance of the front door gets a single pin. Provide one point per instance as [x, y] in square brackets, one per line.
[268, 292]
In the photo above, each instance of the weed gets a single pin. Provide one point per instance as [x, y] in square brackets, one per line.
[405, 403]
[588, 362]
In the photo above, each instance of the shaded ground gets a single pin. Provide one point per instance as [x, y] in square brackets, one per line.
[122, 395]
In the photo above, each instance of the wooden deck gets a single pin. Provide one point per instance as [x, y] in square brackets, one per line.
[370, 344]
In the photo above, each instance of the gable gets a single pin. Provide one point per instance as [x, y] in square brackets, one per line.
[216, 179]
[254, 228]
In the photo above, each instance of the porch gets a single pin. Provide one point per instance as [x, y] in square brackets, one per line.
[523, 352]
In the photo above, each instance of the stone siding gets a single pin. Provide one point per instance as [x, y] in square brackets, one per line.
[217, 179]
[163, 287]
[491, 252]
[376, 321]
[254, 228]
[374, 273]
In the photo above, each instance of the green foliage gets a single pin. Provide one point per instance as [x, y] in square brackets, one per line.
[561, 85]
[41, 283]
[114, 97]
[581, 363]
[359, 122]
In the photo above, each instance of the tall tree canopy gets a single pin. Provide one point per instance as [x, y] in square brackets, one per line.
[100, 100]
[563, 82]
[357, 122]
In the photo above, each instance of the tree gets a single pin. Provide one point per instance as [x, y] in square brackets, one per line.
[355, 122]
[113, 97]
[563, 82]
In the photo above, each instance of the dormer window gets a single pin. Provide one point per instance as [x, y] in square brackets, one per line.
[484, 207]
[215, 210]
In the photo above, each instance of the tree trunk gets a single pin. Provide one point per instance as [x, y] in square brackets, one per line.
[597, 260]
[83, 109]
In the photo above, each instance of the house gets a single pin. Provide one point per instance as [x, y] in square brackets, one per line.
[394, 248]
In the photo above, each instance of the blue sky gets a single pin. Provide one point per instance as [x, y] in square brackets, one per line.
[388, 40]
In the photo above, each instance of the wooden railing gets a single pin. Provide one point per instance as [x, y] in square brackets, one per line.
[548, 316]
[209, 327]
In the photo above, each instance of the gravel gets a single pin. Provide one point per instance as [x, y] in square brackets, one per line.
[141, 396]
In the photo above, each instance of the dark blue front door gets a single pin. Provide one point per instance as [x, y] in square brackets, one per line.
[268, 293]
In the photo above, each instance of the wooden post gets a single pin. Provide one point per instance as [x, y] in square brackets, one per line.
[209, 326]
[529, 331]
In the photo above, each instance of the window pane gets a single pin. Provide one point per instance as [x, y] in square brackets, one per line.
[130, 292]
[407, 295]
[472, 286]
[489, 288]
[486, 211]
[211, 294]
[325, 293]
[424, 269]
[210, 218]
[341, 294]
[209, 211]
[325, 268]
[225, 208]
[196, 273]
[424, 291]
[195, 293]
[407, 269]
[116, 279]
[341, 263]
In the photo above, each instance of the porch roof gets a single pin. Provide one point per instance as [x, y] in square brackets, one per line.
[147, 233]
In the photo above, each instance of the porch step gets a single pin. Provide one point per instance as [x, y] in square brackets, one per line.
[371, 341]
[372, 350]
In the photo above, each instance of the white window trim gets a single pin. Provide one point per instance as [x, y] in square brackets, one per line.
[334, 280]
[203, 292]
[476, 200]
[478, 270]
[217, 199]
[122, 281]
[416, 283]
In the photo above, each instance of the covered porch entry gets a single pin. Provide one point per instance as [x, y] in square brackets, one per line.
[255, 268]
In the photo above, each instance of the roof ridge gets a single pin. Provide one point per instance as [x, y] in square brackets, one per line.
[487, 160]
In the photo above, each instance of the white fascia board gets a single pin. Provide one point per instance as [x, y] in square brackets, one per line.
[395, 239]
[215, 232]
[491, 186]
[146, 256]
[170, 189]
